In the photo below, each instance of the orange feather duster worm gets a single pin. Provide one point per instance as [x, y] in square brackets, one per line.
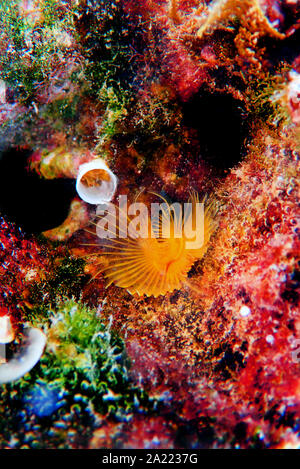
[149, 262]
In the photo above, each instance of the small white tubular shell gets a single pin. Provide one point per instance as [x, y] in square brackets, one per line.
[98, 193]
[6, 331]
[26, 358]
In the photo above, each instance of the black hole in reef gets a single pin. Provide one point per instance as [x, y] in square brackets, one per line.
[33, 203]
[285, 51]
[221, 127]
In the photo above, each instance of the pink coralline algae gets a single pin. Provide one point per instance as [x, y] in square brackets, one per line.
[293, 96]
[22, 262]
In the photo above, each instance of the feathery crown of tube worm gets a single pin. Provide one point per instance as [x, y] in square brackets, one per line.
[155, 265]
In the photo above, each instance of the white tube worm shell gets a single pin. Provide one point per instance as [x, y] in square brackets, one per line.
[98, 193]
[26, 358]
[6, 331]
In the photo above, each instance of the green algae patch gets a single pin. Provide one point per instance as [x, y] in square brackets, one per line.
[65, 279]
[36, 41]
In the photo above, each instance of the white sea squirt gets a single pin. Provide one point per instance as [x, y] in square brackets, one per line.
[96, 183]
[26, 358]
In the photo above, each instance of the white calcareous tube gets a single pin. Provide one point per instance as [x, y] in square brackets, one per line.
[26, 358]
[96, 183]
[6, 331]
